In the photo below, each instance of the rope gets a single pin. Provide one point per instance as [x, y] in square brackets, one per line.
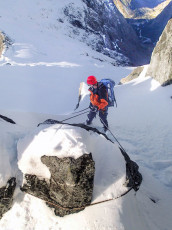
[112, 134]
[135, 184]
[81, 110]
[82, 207]
[107, 200]
[73, 116]
[101, 121]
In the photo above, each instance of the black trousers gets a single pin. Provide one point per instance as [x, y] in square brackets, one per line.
[102, 115]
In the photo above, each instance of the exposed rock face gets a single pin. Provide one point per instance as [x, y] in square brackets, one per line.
[5, 42]
[160, 66]
[6, 196]
[100, 25]
[70, 187]
[1, 43]
[136, 72]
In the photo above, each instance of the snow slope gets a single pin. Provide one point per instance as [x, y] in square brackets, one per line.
[40, 76]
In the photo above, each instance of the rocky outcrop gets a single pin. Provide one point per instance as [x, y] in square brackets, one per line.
[5, 42]
[70, 187]
[6, 196]
[133, 176]
[160, 66]
[1, 43]
[64, 179]
[135, 73]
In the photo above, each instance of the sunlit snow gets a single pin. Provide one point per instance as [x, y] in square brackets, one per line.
[40, 77]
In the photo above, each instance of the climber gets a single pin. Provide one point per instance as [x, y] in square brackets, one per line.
[98, 101]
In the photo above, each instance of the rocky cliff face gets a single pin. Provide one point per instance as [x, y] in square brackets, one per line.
[160, 66]
[99, 24]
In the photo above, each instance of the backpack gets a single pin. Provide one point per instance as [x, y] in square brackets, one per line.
[109, 84]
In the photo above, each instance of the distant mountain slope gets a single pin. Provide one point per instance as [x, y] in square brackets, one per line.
[92, 23]
[135, 4]
[149, 31]
[154, 28]
[87, 21]
[144, 9]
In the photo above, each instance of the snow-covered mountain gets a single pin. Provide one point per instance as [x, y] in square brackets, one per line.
[40, 74]
[98, 24]
[102, 22]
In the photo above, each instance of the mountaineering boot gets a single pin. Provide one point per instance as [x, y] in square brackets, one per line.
[105, 129]
[88, 122]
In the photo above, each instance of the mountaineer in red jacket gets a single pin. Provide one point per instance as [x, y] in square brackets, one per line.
[98, 102]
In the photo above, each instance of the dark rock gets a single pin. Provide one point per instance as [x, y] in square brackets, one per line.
[70, 187]
[6, 196]
[160, 66]
[7, 119]
[37, 187]
[60, 20]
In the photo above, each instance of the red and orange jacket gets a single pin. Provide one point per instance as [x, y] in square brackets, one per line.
[99, 96]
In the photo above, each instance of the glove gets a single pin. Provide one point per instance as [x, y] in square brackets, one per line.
[94, 109]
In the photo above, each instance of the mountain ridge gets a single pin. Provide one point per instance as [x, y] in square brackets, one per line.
[141, 10]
